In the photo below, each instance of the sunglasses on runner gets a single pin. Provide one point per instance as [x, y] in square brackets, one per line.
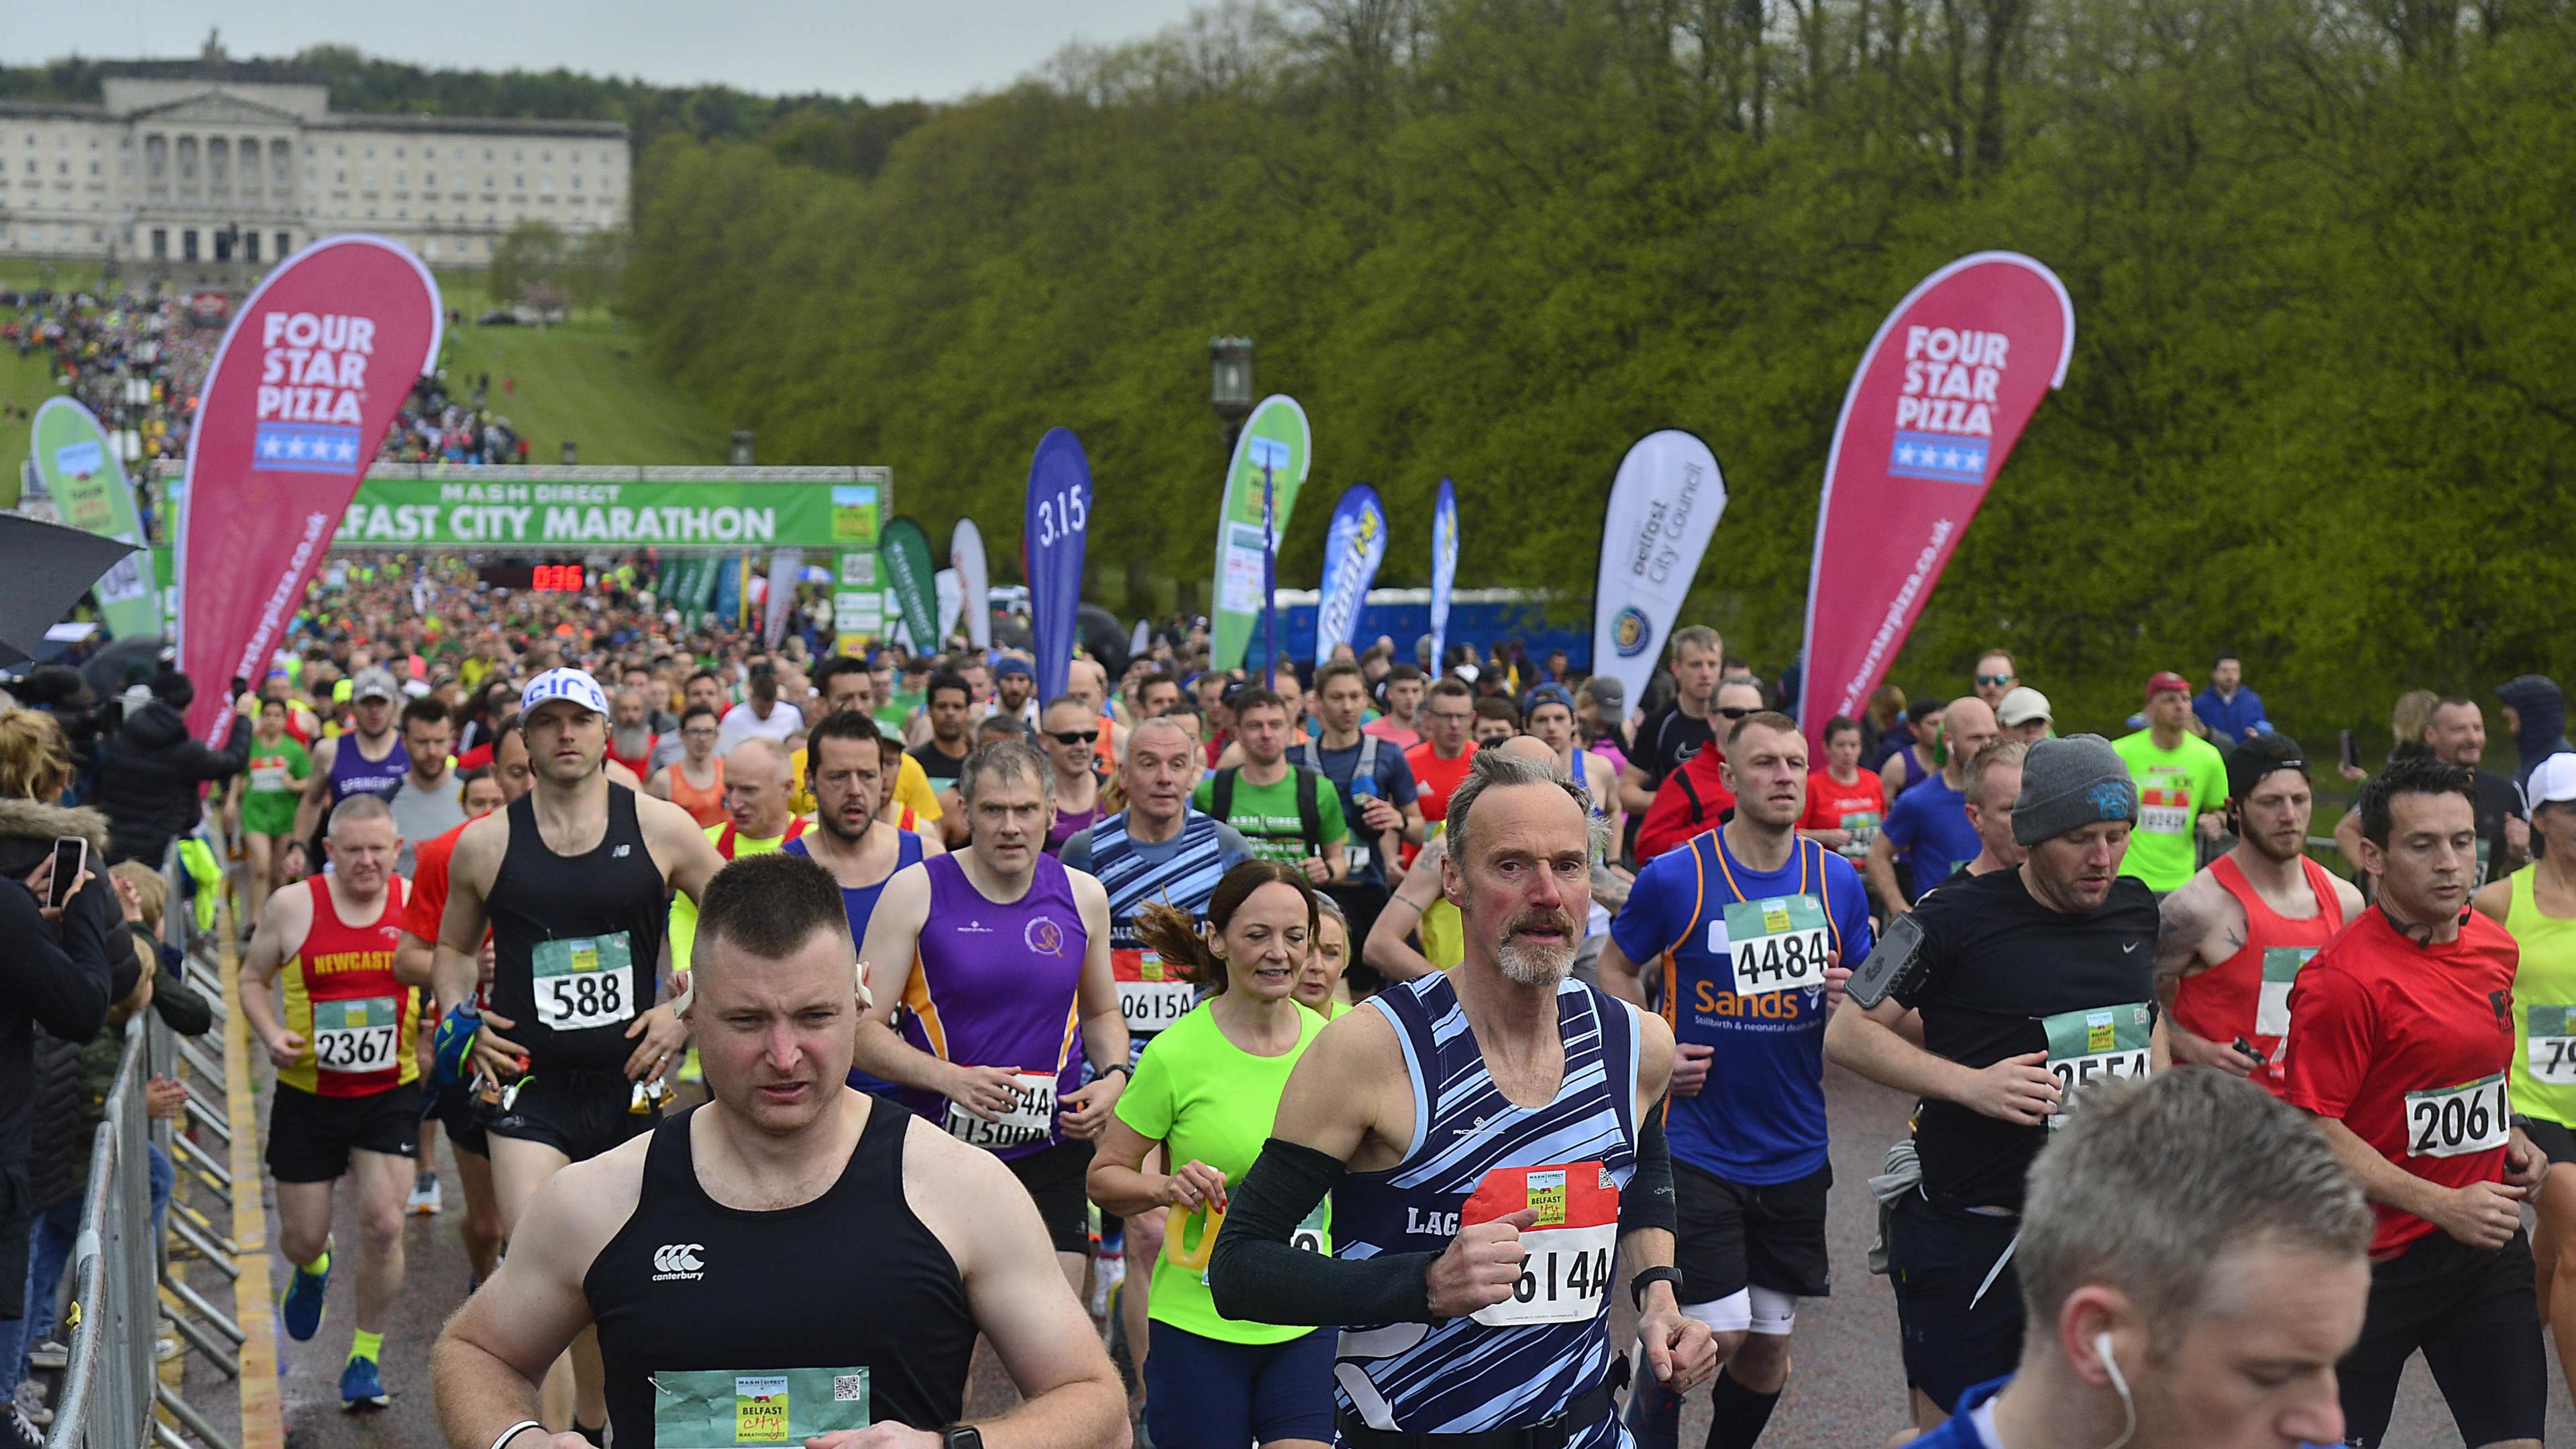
[1995, 679]
[1074, 737]
[1732, 711]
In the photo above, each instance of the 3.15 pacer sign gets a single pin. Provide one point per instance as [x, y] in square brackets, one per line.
[307, 381]
[1940, 397]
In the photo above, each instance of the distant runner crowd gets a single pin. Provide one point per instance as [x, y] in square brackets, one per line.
[1317, 1057]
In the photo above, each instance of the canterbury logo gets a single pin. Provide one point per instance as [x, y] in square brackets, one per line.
[673, 1260]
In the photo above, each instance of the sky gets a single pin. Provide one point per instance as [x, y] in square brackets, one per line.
[875, 49]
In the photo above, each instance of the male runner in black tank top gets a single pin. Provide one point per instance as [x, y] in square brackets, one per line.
[574, 880]
[794, 1260]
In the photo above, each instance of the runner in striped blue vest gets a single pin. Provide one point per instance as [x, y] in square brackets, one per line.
[1489, 1138]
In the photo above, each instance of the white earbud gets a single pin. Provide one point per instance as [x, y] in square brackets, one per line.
[2119, 1385]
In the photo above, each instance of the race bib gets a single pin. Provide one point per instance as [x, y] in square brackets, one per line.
[584, 981]
[1776, 944]
[1309, 1236]
[1863, 825]
[269, 777]
[356, 1034]
[1150, 996]
[2456, 1121]
[2164, 819]
[2099, 1045]
[2280, 968]
[1356, 858]
[1031, 1117]
[2549, 1044]
[1566, 1277]
[721, 1409]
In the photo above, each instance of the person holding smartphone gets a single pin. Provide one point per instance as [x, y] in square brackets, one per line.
[66, 940]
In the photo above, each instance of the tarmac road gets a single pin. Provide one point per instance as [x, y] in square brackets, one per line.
[1847, 1390]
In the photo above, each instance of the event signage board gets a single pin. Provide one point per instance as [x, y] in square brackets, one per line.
[492, 508]
[1664, 504]
[1054, 535]
[1940, 397]
[1354, 546]
[308, 379]
[77, 461]
[1275, 447]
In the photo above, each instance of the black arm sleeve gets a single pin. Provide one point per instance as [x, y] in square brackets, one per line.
[1648, 1202]
[1254, 1275]
[64, 983]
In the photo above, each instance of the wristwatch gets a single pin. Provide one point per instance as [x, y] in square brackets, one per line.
[1637, 1285]
[961, 1436]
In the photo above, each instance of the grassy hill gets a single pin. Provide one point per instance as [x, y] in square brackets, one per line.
[583, 380]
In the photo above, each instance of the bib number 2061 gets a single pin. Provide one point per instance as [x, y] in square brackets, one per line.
[2456, 1121]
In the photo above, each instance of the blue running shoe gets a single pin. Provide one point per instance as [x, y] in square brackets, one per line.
[362, 1387]
[301, 1304]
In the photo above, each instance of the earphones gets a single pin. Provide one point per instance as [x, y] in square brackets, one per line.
[2120, 1385]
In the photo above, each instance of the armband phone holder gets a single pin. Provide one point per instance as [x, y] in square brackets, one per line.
[1887, 961]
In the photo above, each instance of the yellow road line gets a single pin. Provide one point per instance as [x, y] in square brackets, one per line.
[263, 1424]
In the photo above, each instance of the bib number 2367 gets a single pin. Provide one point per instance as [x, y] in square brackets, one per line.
[584, 981]
[2456, 1121]
[1571, 1248]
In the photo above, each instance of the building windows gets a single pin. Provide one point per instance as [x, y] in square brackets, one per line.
[282, 248]
[250, 246]
[160, 244]
[188, 162]
[188, 245]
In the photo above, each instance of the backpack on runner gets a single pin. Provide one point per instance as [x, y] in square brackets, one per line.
[1310, 804]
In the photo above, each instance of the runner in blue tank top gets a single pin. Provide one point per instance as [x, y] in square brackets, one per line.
[1000, 956]
[1489, 1137]
[1749, 925]
[845, 772]
[342, 766]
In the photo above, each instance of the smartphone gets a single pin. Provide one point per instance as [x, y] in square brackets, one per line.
[71, 856]
[2351, 759]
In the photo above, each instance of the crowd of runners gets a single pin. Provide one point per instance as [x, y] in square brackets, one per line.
[1314, 1058]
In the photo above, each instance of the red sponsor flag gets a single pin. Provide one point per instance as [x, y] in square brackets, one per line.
[1941, 395]
[302, 392]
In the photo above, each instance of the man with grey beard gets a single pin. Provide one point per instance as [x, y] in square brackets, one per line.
[1473, 1234]
[630, 732]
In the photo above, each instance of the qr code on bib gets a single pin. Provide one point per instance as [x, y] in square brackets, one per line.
[849, 1388]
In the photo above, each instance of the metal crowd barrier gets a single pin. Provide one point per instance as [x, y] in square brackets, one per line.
[121, 1271]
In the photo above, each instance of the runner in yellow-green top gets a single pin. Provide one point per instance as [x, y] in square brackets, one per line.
[1319, 986]
[2537, 904]
[266, 795]
[1205, 1094]
[2182, 782]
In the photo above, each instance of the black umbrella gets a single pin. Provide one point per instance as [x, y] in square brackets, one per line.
[44, 569]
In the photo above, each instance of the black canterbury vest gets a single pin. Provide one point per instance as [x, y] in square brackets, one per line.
[720, 1317]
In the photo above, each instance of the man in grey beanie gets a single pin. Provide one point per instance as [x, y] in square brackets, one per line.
[2026, 985]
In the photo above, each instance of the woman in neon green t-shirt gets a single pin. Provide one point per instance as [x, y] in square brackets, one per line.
[1205, 1093]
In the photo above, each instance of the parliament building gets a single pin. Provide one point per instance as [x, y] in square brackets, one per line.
[184, 166]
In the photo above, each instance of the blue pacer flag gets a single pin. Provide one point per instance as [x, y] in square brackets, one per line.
[1444, 568]
[1354, 545]
[1059, 520]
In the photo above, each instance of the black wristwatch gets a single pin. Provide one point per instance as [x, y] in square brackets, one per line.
[1122, 1069]
[1637, 1286]
[961, 1436]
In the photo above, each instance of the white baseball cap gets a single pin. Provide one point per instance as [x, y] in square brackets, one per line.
[2022, 706]
[2553, 781]
[575, 685]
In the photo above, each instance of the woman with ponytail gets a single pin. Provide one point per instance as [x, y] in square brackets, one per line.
[1204, 1095]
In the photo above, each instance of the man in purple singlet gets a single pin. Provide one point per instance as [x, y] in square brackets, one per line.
[1002, 956]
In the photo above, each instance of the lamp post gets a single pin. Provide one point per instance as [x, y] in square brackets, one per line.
[1230, 393]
